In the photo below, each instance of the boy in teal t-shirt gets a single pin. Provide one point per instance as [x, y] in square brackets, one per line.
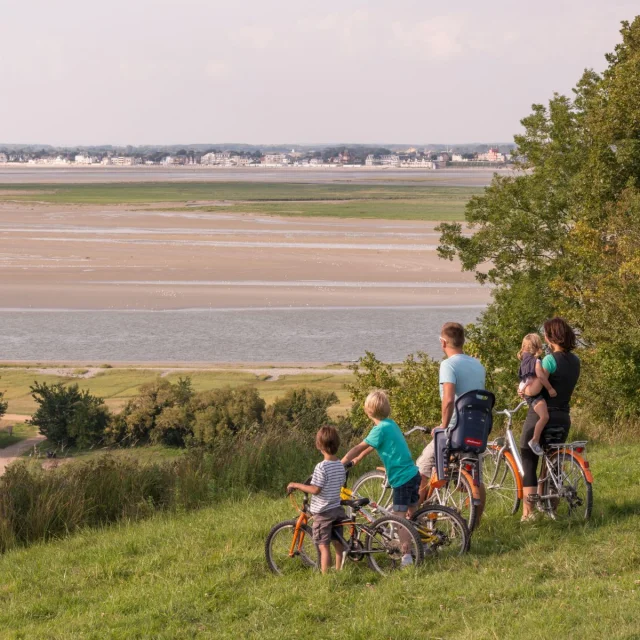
[403, 475]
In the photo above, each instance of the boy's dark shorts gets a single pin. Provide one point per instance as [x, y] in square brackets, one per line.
[407, 494]
[532, 401]
[323, 524]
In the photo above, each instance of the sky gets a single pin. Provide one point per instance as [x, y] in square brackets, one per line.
[78, 72]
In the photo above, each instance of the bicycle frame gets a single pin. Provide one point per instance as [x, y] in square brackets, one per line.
[466, 466]
[299, 532]
[511, 452]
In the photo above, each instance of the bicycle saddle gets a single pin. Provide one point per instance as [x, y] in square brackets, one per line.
[360, 502]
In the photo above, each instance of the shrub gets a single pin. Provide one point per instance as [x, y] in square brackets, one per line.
[66, 415]
[3, 404]
[140, 421]
[223, 413]
[413, 390]
[302, 409]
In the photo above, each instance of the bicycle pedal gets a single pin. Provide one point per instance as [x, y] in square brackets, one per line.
[533, 498]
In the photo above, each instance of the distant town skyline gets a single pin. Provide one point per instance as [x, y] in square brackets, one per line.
[150, 72]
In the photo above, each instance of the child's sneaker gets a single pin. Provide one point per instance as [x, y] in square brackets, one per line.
[535, 447]
[407, 561]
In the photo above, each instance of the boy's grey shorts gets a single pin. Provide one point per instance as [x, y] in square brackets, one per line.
[323, 524]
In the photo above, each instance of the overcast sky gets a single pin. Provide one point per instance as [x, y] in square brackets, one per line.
[276, 71]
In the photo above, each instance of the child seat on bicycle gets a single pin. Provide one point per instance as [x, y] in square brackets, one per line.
[474, 411]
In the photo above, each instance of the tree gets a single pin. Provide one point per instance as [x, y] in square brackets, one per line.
[224, 413]
[561, 237]
[66, 415]
[4, 405]
[302, 409]
[143, 418]
[413, 390]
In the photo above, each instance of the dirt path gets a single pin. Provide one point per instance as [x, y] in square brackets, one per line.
[12, 452]
[15, 417]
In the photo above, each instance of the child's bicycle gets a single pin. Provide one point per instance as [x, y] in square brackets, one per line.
[366, 534]
[460, 491]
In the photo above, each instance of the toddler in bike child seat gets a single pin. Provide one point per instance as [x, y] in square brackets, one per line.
[328, 479]
[533, 378]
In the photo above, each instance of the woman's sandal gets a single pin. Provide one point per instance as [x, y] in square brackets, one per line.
[532, 517]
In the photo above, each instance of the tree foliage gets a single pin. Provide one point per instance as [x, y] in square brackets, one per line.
[67, 415]
[302, 409]
[223, 413]
[561, 236]
[4, 405]
[413, 390]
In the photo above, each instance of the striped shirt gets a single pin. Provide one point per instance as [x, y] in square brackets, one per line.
[330, 476]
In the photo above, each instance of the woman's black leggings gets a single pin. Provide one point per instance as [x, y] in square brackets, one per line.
[530, 459]
[530, 467]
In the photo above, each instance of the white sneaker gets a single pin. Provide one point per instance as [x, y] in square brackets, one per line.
[407, 561]
[535, 447]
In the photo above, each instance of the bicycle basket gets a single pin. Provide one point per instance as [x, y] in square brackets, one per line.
[474, 411]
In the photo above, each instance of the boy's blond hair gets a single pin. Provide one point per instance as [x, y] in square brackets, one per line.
[377, 405]
[532, 344]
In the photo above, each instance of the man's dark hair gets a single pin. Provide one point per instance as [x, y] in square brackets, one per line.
[559, 332]
[328, 440]
[453, 333]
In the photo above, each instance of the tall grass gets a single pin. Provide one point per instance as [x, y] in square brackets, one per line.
[38, 504]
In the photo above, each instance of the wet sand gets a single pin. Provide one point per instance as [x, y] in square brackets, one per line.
[111, 257]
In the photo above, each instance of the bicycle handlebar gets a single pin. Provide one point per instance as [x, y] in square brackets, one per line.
[510, 412]
[423, 429]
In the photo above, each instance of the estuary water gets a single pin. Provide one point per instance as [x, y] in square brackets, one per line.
[277, 335]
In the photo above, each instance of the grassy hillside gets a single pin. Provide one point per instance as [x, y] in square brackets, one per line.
[409, 201]
[203, 574]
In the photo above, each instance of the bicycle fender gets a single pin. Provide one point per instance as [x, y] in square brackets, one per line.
[580, 460]
[511, 460]
[472, 483]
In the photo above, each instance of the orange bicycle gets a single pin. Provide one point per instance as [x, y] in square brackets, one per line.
[289, 547]
[460, 490]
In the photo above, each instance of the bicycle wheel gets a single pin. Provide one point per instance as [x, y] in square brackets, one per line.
[280, 540]
[443, 531]
[573, 498]
[373, 485]
[459, 496]
[500, 480]
[387, 539]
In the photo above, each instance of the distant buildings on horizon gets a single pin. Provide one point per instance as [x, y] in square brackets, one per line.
[409, 158]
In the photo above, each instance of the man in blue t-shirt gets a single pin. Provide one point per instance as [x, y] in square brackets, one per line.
[459, 373]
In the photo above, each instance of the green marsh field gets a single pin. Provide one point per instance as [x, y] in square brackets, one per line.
[117, 385]
[383, 201]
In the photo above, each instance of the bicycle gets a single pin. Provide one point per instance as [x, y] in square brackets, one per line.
[289, 546]
[460, 490]
[443, 531]
[565, 480]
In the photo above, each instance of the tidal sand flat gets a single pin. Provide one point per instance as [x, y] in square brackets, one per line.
[227, 272]
[64, 257]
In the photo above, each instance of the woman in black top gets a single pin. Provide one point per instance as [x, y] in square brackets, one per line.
[562, 340]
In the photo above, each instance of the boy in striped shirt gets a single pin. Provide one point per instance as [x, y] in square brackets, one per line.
[328, 478]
